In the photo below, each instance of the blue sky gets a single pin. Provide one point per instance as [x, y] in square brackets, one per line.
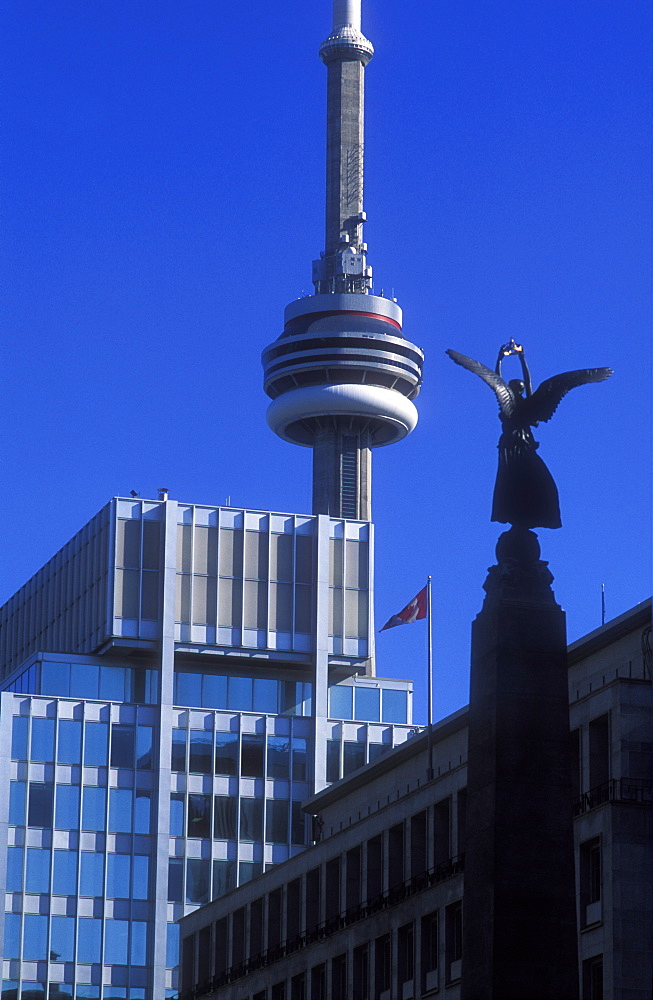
[163, 178]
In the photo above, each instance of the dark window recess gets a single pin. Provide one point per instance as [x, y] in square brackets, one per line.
[593, 978]
[382, 965]
[278, 992]
[396, 855]
[221, 942]
[339, 978]
[442, 831]
[252, 757]
[275, 911]
[353, 895]
[461, 805]
[298, 987]
[453, 939]
[332, 888]
[590, 881]
[318, 982]
[312, 898]
[361, 973]
[176, 881]
[188, 962]
[201, 752]
[599, 747]
[293, 909]
[418, 843]
[39, 810]
[374, 867]
[574, 760]
[333, 760]
[199, 816]
[178, 753]
[405, 953]
[256, 927]
[122, 746]
[204, 954]
[238, 936]
[429, 951]
[353, 752]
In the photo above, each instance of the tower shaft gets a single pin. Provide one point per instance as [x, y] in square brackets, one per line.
[342, 471]
[344, 155]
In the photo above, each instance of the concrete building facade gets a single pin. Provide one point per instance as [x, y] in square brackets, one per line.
[373, 911]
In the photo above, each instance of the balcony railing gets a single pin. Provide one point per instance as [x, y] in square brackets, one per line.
[628, 790]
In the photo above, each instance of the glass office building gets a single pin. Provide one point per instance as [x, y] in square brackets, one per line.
[175, 682]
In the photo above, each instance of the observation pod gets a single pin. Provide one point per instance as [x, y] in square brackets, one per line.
[342, 379]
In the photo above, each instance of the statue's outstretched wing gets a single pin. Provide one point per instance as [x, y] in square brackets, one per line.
[503, 391]
[544, 401]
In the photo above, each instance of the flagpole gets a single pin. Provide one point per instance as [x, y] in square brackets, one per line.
[429, 617]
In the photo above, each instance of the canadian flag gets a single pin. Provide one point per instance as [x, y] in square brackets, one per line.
[411, 613]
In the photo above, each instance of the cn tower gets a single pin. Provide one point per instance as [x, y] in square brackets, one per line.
[342, 377]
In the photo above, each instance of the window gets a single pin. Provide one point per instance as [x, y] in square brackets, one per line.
[199, 815]
[64, 875]
[96, 744]
[396, 855]
[395, 706]
[140, 877]
[340, 702]
[297, 823]
[367, 703]
[276, 821]
[175, 881]
[224, 812]
[142, 811]
[442, 831]
[197, 880]
[12, 936]
[266, 696]
[405, 953]
[42, 744]
[94, 804]
[69, 747]
[590, 882]
[188, 686]
[353, 757]
[226, 753]
[138, 945]
[66, 810]
[252, 757]
[17, 802]
[177, 814]
[239, 694]
[429, 951]
[201, 751]
[118, 876]
[39, 812]
[299, 759]
[62, 937]
[116, 939]
[382, 965]
[361, 973]
[298, 987]
[599, 751]
[37, 873]
[91, 881]
[251, 819]
[453, 929]
[14, 869]
[418, 844]
[172, 945]
[224, 877]
[374, 867]
[339, 978]
[35, 938]
[318, 982]
[120, 810]
[122, 746]
[178, 753]
[278, 757]
[19, 737]
[214, 691]
[332, 760]
[593, 978]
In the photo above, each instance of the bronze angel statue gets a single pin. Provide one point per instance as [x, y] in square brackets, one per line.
[525, 494]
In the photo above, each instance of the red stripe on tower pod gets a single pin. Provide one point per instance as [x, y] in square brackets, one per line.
[413, 611]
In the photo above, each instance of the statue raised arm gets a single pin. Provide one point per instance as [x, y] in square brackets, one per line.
[525, 493]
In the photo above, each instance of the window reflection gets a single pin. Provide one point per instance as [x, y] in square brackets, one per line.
[19, 737]
[199, 815]
[251, 819]
[251, 765]
[224, 877]
[118, 875]
[35, 940]
[354, 756]
[224, 808]
[66, 807]
[62, 938]
[142, 811]
[140, 877]
[116, 941]
[42, 747]
[94, 804]
[197, 880]
[177, 814]
[89, 937]
[37, 873]
[299, 759]
[120, 810]
[175, 880]
[91, 880]
[276, 821]
[226, 753]
[69, 746]
[201, 751]
[96, 744]
[64, 876]
[395, 706]
[122, 745]
[14, 869]
[178, 754]
[278, 757]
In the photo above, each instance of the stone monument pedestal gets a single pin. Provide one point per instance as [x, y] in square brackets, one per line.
[520, 940]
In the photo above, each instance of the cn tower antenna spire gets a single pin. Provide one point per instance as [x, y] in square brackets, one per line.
[342, 377]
